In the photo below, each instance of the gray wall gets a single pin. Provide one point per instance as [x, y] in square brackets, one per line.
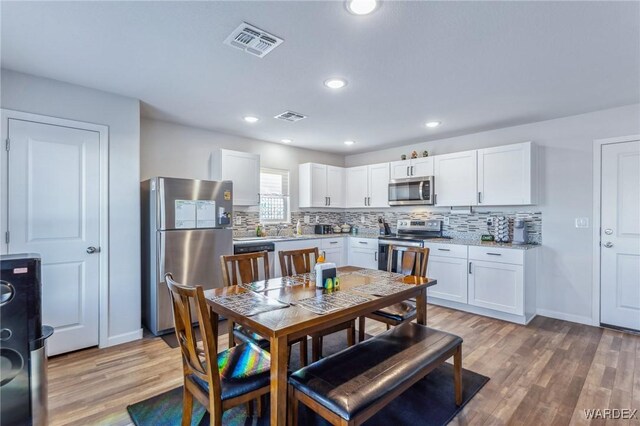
[169, 149]
[565, 286]
[122, 115]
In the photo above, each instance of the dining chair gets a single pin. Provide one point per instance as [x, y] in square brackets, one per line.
[218, 381]
[302, 261]
[408, 261]
[243, 269]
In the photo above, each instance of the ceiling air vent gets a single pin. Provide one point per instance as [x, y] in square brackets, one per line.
[290, 116]
[253, 40]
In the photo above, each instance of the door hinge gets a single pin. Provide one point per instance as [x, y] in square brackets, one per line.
[7, 237]
[7, 144]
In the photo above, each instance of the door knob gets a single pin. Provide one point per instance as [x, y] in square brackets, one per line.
[608, 231]
[92, 249]
[608, 244]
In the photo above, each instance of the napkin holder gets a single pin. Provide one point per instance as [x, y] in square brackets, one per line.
[326, 274]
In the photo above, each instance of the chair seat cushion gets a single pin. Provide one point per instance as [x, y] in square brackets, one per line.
[402, 311]
[246, 335]
[352, 380]
[243, 369]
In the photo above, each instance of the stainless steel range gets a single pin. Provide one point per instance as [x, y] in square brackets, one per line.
[410, 233]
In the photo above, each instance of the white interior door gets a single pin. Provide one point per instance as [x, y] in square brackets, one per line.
[53, 210]
[620, 235]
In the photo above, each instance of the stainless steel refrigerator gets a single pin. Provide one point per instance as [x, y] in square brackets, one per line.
[186, 227]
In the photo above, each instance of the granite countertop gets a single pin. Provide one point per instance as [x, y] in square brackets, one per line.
[460, 241]
[479, 243]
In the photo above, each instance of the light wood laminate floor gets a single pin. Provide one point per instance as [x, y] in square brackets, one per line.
[545, 373]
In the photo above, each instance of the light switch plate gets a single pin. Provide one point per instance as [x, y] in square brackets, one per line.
[446, 220]
[582, 222]
[238, 220]
[317, 218]
[307, 219]
[361, 219]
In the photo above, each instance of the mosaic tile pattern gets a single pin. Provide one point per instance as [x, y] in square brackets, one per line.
[465, 226]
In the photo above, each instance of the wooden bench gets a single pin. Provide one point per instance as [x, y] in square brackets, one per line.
[349, 387]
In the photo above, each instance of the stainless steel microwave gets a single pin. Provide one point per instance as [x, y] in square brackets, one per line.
[411, 191]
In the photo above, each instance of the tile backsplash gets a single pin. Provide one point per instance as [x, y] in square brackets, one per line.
[461, 225]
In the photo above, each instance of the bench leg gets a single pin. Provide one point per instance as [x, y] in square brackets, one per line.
[361, 325]
[293, 408]
[457, 374]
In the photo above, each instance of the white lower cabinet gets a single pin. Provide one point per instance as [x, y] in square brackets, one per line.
[334, 250]
[363, 252]
[496, 282]
[451, 274]
[497, 286]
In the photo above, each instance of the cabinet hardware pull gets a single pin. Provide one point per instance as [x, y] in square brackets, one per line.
[411, 170]
[408, 171]
[435, 199]
[494, 254]
[333, 242]
[369, 201]
[362, 242]
[365, 201]
[375, 256]
[479, 197]
[469, 267]
[444, 249]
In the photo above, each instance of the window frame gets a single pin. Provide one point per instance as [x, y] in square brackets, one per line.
[284, 195]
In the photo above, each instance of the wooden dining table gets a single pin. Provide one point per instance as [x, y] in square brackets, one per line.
[289, 323]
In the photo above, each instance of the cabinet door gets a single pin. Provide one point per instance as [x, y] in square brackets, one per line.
[356, 186]
[378, 185]
[335, 186]
[334, 255]
[455, 179]
[400, 169]
[363, 258]
[504, 175]
[319, 185]
[290, 245]
[422, 167]
[451, 274]
[497, 286]
[243, 169]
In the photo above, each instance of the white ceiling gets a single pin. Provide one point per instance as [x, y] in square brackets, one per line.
[472, 65]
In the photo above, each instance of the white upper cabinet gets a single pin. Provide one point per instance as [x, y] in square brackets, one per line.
[368, 186]
[357, 186]
[506, 175]
[455, 179]
[321, 185]
[335, 186]
[378, 183]
[243, 169]
[415, 167]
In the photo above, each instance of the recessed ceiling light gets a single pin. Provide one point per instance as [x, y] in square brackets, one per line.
[335, 83]
[361, 7]
[432, 124]
[286, 140]
[349, 142]
[250, 119]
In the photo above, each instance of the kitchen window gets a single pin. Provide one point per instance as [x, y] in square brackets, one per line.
[274, 196]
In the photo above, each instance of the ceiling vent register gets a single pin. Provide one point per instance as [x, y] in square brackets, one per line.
[253, 40]
[290, 116]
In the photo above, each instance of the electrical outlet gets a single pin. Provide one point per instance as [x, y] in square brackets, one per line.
[307, 219]
[446, 220]
[490, 221]
[362, 219]
[582, 222]
[317, 219]
[238, 220]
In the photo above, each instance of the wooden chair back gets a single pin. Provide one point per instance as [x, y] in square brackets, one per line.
[294, 262]
[244, 268]
[202, 363]
[412, 260]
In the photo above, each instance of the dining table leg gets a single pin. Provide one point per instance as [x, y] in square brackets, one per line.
[421, 307]
[279, 360]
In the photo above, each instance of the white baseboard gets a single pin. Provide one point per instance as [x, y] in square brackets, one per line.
[565, 317]
[124, 338]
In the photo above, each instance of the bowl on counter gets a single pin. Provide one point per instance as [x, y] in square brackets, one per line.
[346, 228]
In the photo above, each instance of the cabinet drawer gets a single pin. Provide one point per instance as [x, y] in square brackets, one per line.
[371, 243]
[446, 250]
[329, 243]
[502, 255]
